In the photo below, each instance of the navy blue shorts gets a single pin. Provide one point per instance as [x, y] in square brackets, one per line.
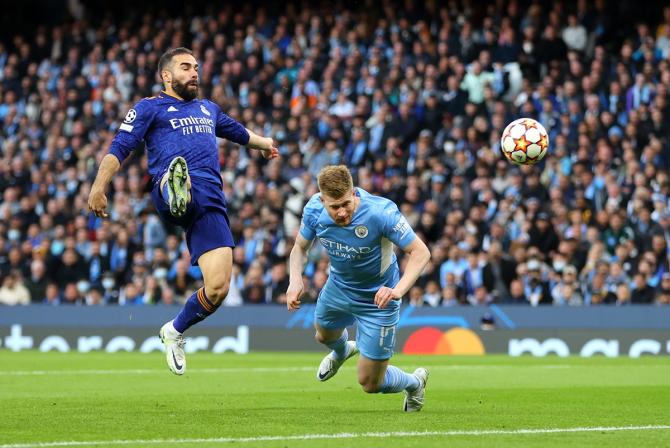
[206, 219]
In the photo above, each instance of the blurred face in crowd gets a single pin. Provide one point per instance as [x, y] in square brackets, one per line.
[182, 76]
[516, 288]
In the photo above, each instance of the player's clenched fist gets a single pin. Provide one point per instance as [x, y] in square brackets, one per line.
[97, 203]
[384, 296]
[293, 294]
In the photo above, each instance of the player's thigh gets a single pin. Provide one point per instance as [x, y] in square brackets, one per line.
[376, 329]
[206, 231]
[371, 371]
[216, 266]
[332, 314]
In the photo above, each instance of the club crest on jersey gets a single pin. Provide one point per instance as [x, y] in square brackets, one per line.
[361, 231]
[130, 116]
[204, 110]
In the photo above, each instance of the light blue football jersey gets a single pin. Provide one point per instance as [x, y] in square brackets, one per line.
[361, 254]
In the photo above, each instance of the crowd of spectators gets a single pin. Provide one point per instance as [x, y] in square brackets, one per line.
[411, 95]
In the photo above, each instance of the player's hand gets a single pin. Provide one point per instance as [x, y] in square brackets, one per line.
[270, 152]
[97, 203]
[385, 295]
[293, 294]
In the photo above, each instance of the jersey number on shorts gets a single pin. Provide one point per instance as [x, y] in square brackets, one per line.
[387, 336]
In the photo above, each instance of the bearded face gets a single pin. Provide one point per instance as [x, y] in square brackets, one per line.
[187, 90]
[182, 74]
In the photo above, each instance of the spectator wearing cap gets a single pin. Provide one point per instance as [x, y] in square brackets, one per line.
[567, 291]
[536, 289]
[487, 322]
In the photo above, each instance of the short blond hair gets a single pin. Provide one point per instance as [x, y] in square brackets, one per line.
[335, 181]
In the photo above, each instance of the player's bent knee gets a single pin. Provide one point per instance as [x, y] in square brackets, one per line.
[369, 386]
[321, 339]
[325, 338]
[217, 293]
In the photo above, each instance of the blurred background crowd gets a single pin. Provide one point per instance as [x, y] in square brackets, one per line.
[411, 95]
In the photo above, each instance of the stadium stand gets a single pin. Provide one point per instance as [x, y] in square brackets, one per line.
[412, 96]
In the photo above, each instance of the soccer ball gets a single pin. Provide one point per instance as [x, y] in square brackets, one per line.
[524, 141]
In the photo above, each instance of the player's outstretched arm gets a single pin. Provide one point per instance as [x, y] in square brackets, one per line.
[419, 255]
[97, 200]
[296, 266]
[264, 144]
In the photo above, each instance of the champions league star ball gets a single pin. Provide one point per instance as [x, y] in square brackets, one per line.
[524, 141]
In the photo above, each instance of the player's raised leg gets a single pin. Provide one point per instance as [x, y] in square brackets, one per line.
[341, 349]
[216, 266]
[175, 187]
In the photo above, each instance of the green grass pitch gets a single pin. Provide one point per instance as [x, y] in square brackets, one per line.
[274, 400]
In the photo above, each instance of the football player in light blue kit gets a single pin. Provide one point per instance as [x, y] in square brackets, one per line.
[180, 132]
[358, 230]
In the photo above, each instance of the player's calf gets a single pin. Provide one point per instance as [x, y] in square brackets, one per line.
[412, 384]
[369, 384]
